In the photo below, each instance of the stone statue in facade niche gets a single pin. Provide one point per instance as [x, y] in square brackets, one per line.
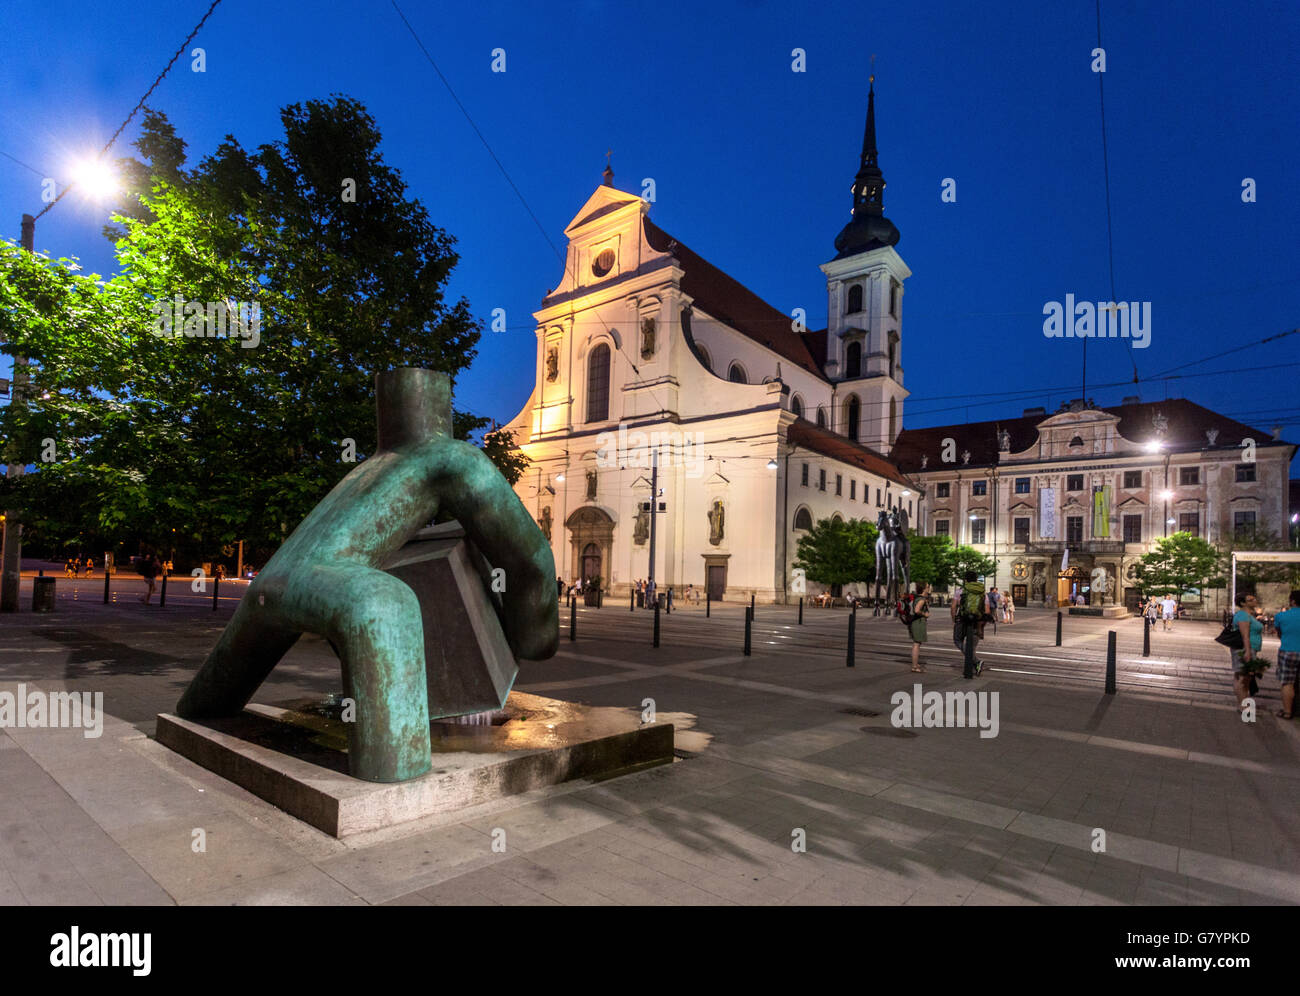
[591, 485]
[717, 526]
[647, 338]
[552, 363]
[641, 530]
[545, 522]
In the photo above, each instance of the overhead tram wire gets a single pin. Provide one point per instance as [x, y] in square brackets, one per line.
[157, 80]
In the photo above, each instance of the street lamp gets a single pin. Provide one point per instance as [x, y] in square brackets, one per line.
[1166, 495]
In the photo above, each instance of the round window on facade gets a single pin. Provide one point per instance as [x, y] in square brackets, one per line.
[603, 263]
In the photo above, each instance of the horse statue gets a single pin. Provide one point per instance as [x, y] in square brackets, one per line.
[900, 548]
[884, 558]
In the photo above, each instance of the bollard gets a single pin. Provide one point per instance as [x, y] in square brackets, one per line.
[74, 594]
[162, 597]
[573, 620]
[216, 584]
[751, 606]
[968, 652]
[1146, 636]
[656, 622]
[631, 597]
[1110, 663]
[800, 610]
[668, 603]
[749, 619]
[708, 602]
[105, 585]
[40, 573]
[852, 653]
[1058, 627]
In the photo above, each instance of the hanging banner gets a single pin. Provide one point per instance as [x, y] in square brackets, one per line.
[1047, 513]
[1101, 511]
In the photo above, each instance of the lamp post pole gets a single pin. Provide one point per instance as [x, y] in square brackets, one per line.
[12, 563]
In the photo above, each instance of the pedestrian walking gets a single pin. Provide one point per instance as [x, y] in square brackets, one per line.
[1010, 611]
[150, 567]
[1167, 609]
[917, 627]
[1287, 625]
[970, 611]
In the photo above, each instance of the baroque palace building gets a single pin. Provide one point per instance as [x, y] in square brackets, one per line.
[656, 370]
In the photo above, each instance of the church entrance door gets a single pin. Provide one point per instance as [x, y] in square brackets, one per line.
[717, 581]
[590, 562]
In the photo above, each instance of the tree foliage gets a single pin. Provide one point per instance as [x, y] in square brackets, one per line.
[1178, 563]
[936, 561]
[229, 438]
[838, 552]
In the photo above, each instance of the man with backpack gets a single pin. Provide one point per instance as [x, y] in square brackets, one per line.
[970, 611]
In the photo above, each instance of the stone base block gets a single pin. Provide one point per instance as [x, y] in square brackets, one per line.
[294, 755]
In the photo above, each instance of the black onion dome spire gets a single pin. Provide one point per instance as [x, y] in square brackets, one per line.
[869, 229]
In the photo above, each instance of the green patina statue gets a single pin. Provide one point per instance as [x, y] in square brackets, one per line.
[326, 579]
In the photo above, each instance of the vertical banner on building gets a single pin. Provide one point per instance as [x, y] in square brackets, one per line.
[1047, 513]
[1101, 511]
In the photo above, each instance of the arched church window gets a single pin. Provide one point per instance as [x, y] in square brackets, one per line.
[737, 374]
[803, 519]
[704, 357]
[821, 416]
[837, 517]
[598, 384]
[796, 405]
[855, 300]
[853, 415]
[853, 361]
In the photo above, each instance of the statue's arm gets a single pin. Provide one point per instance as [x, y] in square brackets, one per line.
[472, 490]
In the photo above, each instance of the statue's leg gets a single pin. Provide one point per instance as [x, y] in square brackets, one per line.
[251, 645]
[373, 621]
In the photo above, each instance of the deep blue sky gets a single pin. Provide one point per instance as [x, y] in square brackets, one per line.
[753, 162]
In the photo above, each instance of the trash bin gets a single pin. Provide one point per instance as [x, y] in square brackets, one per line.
[43, 594]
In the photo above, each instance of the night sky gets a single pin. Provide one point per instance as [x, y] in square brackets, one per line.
[752, 162]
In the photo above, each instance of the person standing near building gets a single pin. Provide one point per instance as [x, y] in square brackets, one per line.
[970, 611]
[1287, 625]
[917, 627]
[1252, 638]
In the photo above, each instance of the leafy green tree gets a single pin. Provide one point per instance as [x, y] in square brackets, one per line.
[219, 439]
[967, 558]
[1178, 563]
[836, 552]
[500, 446]
[1252, 572]
[932, 560]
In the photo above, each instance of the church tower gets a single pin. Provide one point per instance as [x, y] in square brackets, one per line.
[864, 285]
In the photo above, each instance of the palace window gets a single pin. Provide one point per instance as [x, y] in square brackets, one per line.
[941, 489]
[796, 405]
[821, 480]
[1189, 522]
[1245, 472]
[1020, 530]
[803, 519]
[1243, 523]
[821, 417]
[705, 359]
[1132, 529]
[1132, 478]
[977, 530]
[853, 490]
[598, 384]
[1074, 529]
[943, 527]
[1022, 485]
[839, 485]
[803, 476]
[893, 297]
[1189, 475]
[979, 487]
[880, 498]
[1074, 482]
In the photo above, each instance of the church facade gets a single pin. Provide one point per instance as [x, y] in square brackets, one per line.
[675, 415]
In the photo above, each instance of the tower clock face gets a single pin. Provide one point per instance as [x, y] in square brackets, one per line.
[603, 263]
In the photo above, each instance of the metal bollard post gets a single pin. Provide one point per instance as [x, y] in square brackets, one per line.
[1058, 627]
[162, 598]
[216, 584]
[708, 602]
[852, 651]
[1146, 636]
[105, 585]
[1110, 663]
[656, 622]
[631, 598]
[800, 610]
[573, 620]
[749, 620]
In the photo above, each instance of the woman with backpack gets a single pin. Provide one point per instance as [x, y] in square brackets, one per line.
[917, 627]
